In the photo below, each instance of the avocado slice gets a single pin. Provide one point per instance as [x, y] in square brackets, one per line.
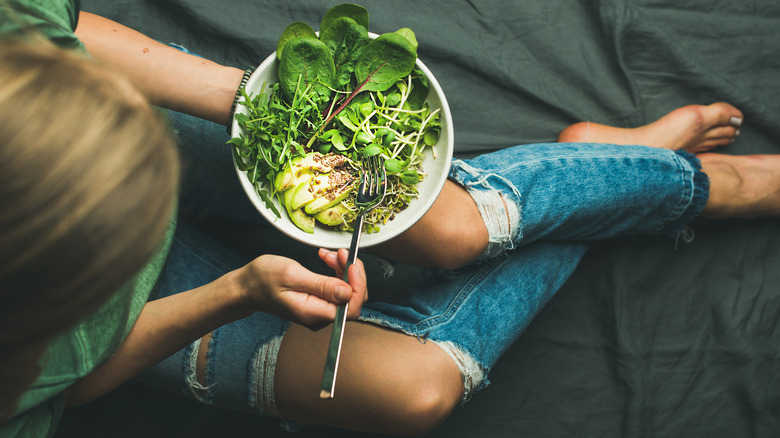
[329, 199]
[298, 167]
[302, 220]
[298, 217]
[285, 179]
[331, 216]
[311, 179]
[308, 190]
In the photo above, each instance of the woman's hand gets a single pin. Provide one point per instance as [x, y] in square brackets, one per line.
[283, 287]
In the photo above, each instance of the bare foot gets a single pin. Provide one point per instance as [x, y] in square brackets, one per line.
[693, 128]
[742, 186]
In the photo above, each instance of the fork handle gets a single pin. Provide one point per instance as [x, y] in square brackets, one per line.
[353, 246]
[328, 385]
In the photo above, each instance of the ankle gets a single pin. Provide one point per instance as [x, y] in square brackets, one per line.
[725, 188]
[745, 186]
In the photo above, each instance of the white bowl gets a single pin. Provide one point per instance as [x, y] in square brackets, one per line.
[436, 169]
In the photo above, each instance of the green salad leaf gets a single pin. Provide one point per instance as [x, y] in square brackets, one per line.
[357, 13]
[309, 63]
[297, 29]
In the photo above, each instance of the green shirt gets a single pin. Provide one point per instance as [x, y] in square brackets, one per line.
[75, 353]
[55, 19]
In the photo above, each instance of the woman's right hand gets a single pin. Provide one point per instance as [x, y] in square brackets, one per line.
[283, 287]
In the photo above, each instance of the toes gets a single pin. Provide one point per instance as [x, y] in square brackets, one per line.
[722, 132]
[723, 114]
[715, 137]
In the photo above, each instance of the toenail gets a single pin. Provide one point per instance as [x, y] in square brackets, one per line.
[735, 121]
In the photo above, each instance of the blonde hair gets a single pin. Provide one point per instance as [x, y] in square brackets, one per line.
[88, 181]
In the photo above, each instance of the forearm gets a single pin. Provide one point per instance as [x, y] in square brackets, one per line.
[164, 327]
[277, 285]
[168, 77]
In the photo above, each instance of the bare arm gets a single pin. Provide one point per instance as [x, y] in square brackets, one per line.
[166, 76]
[276, 285]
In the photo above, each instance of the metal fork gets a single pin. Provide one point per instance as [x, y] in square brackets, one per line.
[371, 191]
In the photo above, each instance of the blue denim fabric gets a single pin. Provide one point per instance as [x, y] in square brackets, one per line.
[559, 197]
[209, 182]
[565, 196]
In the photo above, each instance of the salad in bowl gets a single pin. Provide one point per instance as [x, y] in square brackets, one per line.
[319, 104]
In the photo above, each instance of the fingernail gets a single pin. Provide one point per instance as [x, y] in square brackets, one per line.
[736, 133]
[735, 121]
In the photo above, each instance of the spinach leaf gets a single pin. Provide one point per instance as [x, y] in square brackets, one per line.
[385, 60]
[297, 29]
[346, 39]
[357, 13]
[409, 35]
[306, 63]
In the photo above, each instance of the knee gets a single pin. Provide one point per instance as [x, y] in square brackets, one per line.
[427, 406]
[429, 391]
[456, 245]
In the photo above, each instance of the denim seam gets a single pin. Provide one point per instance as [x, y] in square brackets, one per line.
[695, 193]
[454, 305]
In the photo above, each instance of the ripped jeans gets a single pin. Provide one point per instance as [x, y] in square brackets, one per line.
[559, 197]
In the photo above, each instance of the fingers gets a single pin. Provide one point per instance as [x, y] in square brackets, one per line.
[356, 277]
[328, 288]
[335, 260]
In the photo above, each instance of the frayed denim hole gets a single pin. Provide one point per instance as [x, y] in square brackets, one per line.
[200, 392]
[502, 220]
[502, 234]
[472, 372]
[458, 165]
[261, 378]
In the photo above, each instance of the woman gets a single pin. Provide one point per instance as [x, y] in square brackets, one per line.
[89, 185]
[263, 364]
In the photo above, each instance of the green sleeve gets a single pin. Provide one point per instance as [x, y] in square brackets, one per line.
[38, 422]
[54, 19]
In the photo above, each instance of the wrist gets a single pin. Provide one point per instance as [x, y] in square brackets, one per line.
[237, 292]
[247, 73]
